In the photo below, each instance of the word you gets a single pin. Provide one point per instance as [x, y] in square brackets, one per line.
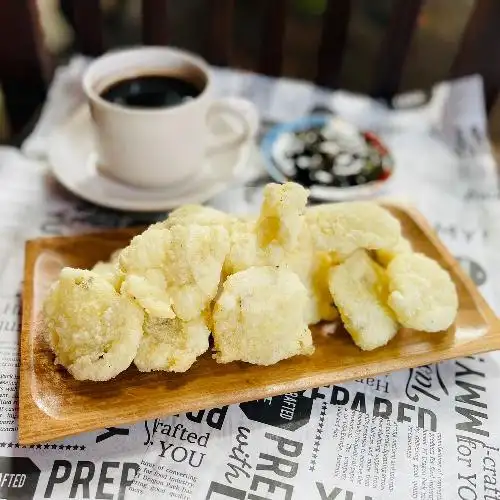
[467, 479]
[178, 452]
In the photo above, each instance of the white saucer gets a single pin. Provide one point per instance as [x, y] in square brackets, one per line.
[72, 158]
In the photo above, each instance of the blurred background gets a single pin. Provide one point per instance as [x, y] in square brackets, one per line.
[434, 45]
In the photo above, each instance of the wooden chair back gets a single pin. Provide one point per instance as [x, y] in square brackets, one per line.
[25, 68]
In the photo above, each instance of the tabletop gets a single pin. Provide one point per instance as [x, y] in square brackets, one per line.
[416, 433]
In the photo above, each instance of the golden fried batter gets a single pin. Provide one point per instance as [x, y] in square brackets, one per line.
[260, 317]
[359, 289]
[421, 293]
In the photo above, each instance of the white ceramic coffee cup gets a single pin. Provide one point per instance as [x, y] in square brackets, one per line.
[156, 147]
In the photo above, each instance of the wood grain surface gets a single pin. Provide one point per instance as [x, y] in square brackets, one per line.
[53, 405]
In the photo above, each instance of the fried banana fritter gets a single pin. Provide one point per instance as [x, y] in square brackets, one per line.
[421, 293]
[93, 330]
[260, 317]
[359, 289]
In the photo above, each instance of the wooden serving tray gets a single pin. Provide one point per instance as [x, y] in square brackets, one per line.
[52, 404]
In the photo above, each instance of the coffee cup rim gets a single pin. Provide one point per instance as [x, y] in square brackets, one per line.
[192, 59]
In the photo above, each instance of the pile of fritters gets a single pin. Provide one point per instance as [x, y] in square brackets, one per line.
[254, 284]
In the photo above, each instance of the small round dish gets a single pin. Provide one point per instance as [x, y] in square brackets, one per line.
[331, 157]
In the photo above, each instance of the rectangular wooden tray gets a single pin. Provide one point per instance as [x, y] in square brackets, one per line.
[53, 405]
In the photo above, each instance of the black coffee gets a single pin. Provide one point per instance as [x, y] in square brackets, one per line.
[159, 91]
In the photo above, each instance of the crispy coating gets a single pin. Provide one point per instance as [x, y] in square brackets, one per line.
[178, 268]
[197, 214]
[150, 292]
[143, 263]
[115, 256]
[359, 289]
[279, 237]
[103, 268]
[310, 266]
[281, 218]
[146, 251]
[345, 227]
[94, 331]
[286, 240]
[282, 235]
[171, 344]
[321, 305]
[385, 255]
[194, 265]
[421, 293]
[260, 317]
[244, 251]
[110, 272]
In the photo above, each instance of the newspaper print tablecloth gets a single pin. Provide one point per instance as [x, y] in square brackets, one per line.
[426, 433]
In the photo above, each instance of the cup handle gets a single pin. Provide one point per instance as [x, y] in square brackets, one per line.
[231, 121]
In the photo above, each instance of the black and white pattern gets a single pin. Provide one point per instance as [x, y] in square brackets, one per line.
[327, 151]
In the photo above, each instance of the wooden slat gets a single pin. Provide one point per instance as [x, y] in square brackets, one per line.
[24, 62]
[479, 50]
[86, 19]
[221, 31]
[271, 49]
[333, 40]
[394, 48]
[155, 22]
